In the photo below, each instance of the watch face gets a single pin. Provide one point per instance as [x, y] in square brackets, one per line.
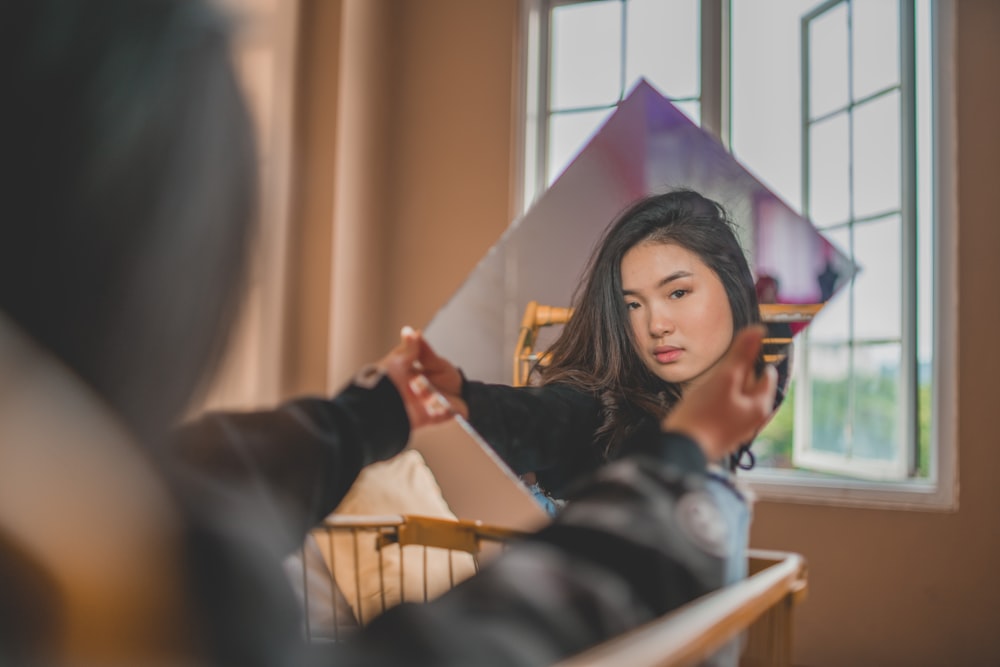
[369, 376]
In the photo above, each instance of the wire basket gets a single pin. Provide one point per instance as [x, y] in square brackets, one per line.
[353, 568]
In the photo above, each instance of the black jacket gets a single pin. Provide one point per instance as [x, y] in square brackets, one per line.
[232, 494]
[549, 430]
[623, 553]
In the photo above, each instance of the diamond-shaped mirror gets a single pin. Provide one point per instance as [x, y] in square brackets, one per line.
[646, 146]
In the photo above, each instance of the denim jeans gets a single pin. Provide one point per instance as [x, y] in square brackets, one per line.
[735, 504]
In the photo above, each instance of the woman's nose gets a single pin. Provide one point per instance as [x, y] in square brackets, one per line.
[661, 323]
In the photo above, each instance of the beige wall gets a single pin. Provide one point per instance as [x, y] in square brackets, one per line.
[887, 587]
[405, 181]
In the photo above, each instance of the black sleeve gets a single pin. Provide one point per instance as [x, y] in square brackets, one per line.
[641, 539]
[293, 464]
[534, 428]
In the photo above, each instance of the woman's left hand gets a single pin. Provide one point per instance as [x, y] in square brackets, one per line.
[731, 403]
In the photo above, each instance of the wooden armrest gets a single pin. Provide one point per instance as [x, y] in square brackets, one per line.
[697, 630]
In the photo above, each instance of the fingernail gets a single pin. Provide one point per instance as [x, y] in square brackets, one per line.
[407, 331]
[419, 384]
[437, 405]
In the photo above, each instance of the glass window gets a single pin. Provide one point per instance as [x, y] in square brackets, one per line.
[586, 55]
[867, 430]
[830, 170]
[877, 293]
[875, 42]
[876, 170]
[830, 104]
[829, 62]
[593, 54]
[662, 45]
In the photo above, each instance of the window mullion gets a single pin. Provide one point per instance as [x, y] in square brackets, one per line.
[544, 97]
[802, 432]
[908, 192]
[623, 52]
[852, 415]
[715, 68]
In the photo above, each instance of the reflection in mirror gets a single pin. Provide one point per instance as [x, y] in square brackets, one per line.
[646, 146]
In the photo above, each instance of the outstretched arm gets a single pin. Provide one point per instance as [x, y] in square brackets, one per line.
[530, 428]
[295, 463]
[642, 538]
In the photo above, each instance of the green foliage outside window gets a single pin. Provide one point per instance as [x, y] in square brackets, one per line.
[773, 447]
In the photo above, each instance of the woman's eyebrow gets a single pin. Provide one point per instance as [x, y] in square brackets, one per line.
[666, 280]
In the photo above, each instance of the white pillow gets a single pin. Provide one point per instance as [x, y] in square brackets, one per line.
[402, 485]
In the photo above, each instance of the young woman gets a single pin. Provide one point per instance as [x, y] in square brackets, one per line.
[663, 296]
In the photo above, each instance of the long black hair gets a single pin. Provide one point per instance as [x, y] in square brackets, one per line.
[128, 185]
[596, 350]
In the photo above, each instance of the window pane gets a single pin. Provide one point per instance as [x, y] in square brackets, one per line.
[876, 394]
[875, 25]
[766, 92]
[828, 62]
[832, 324]
[877, 288]
[662, 44]
[876, 156]
[829, 171]
[828, 369]
[568, 133]
[586, 54]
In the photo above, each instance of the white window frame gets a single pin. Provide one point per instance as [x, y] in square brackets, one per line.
[904, 463]
[532, 105]
[940, 491]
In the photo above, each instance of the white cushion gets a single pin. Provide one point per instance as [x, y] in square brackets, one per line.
[402, 485]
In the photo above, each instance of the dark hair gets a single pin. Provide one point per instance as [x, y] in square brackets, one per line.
[596, 352]
[128, 181]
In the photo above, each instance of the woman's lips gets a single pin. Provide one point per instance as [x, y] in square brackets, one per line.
[666, 355]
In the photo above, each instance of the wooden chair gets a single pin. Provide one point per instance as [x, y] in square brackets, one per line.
[761, 606]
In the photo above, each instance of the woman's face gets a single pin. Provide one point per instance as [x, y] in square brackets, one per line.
[678, 308]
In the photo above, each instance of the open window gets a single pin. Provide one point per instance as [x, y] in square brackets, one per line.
[842, 107]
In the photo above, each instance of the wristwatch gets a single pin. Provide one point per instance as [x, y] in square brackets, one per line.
[369, 376]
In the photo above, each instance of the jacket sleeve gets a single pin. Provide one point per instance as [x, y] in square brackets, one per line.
[294, 463]
[640, 540]
[533, 428]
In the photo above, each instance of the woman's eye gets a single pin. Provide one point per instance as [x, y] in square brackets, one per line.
[678, 293]
[631, 305]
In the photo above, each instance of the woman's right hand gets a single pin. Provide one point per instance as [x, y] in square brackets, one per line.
[731, 403]
[430, 386]
[442, 375]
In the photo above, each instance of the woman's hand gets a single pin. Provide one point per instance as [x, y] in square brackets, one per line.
[430, 386]
[730, 404]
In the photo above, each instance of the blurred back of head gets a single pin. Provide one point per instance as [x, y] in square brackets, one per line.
[127, 192]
